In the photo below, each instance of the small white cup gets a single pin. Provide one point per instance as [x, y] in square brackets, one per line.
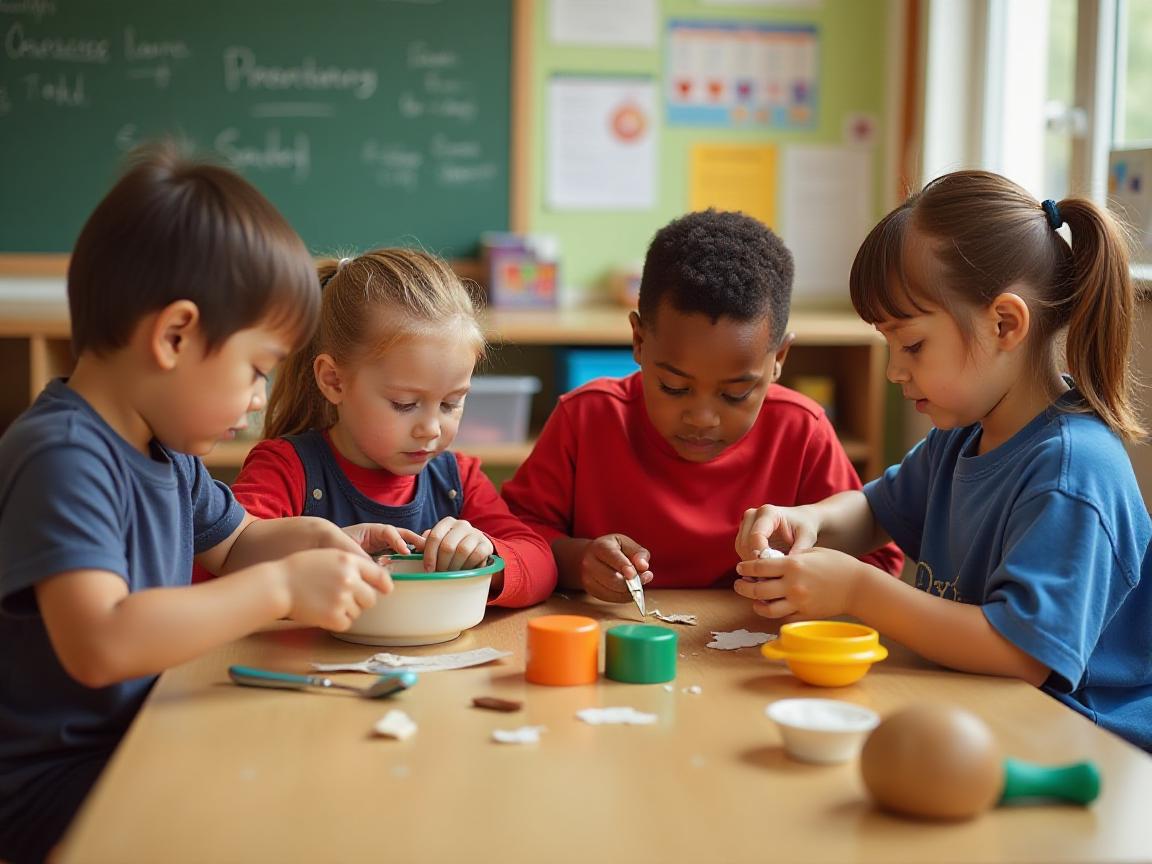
[824, 731]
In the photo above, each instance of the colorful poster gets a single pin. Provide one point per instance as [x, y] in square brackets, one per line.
[735, 177]
[742, 74]
[601, 143]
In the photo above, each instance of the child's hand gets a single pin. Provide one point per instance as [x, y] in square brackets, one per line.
[783, 528]
[328, 588]
[608, 561]
[453, 544]
[376, 538]
[813, 583]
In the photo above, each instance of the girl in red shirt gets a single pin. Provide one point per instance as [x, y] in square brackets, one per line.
[359, 423]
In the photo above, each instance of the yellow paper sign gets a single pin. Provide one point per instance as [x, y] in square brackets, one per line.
[735, 177]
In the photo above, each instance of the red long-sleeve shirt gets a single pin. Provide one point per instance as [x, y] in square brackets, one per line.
[272, 484]
[600, 467]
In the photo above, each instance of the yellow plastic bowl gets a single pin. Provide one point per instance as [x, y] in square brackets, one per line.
[826, 653]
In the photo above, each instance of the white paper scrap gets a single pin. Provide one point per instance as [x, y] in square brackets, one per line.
[694, 689]
[520, 735]
[395, 724]
[769, 552]
[620, 715]
[675, 617]
[378, 664]
[734, 639]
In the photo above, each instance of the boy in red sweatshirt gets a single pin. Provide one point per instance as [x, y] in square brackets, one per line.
[651, 474]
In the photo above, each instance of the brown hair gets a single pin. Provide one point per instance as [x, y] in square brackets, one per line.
[177, 229]
[987, 235]
[369, 303]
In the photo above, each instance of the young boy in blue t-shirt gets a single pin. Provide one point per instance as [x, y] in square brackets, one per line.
[185, 288]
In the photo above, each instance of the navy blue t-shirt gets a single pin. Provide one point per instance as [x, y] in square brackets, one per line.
[75, 495]
[1048, 534]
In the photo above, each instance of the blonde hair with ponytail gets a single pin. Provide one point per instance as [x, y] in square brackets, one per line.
[369, 303]
[990, 235]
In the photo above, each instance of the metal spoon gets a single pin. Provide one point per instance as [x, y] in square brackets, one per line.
[385, 685]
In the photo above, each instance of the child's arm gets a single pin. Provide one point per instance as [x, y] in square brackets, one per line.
[843, 521]
[260, 540]
[821, 583]
[103, 634]
[529, 569]
[600, 566]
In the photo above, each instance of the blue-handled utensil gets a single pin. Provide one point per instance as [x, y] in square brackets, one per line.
[385, 685]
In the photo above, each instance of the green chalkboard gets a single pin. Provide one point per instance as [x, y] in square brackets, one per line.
[367, 122]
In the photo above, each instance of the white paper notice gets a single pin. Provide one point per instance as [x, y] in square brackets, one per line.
[601, 143]
[827, 214]
[604, 22]
[379, 664]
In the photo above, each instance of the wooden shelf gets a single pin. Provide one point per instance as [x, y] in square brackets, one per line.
[608, 325]
[34, 347]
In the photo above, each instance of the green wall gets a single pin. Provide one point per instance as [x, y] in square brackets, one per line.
[853, 49]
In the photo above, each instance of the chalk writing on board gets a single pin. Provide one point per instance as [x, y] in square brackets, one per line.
[242, 71]
[36, 9]
[153, 49]
[19, 45]
[61, 89]
[276, 151]
[396, 98]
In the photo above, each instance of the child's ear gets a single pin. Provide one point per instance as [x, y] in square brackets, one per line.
[782, 355]
[637, 334]
[171, 334]
[1012, 320]
[328, 378]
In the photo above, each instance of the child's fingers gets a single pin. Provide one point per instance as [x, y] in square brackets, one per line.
[804, 539]
[411, 538]
[375, 576]
[608, 586]
[774, 609]
[762, 568]
[767, 589]
[433, 540]
[462, 547]
[613, 558]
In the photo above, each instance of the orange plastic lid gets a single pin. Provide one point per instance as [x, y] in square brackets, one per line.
[563, 650]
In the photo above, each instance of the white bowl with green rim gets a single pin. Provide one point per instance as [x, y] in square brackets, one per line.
[424, 608]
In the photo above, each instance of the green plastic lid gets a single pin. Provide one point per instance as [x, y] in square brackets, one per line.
[640, 654]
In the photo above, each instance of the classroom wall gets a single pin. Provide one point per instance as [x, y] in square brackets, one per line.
[855, 43]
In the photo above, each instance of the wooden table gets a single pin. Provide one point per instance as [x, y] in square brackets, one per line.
[211, 772]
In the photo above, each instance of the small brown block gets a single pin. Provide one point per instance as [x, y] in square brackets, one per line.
[494, 704]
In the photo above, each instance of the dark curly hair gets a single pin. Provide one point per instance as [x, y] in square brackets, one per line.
[718, 263]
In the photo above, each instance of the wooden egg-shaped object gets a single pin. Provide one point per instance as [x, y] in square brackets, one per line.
[933, 762]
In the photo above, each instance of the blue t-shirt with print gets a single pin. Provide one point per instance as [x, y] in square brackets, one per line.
[1048, 533]
[75, 495]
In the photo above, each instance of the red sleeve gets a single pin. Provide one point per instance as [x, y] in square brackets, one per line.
[542, 491]
[828, 470]
[269, 485]
[529, 569]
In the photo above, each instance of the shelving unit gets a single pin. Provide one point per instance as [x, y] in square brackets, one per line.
[34, 347]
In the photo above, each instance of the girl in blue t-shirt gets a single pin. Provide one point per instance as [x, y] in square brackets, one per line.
[1020, 507]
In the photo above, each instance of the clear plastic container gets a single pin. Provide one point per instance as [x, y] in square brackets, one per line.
[497, 410]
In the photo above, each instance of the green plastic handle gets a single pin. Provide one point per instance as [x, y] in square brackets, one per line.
[1077, 783]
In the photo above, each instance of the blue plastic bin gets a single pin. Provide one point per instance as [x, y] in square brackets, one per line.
[581, 365]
